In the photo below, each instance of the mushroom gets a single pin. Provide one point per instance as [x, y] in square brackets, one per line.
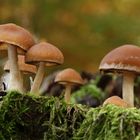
[43, 54]
[23, 67]
[15, 37]
[68, 77]
[116, 101]
[125, 60]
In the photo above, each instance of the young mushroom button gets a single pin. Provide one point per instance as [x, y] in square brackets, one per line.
[125, 60]
[116, 101]
[16, 38]
[68, 77]
[43, 54]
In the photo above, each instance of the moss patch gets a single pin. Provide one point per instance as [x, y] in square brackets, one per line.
[110, 123]
[38, 118]
[27, 117]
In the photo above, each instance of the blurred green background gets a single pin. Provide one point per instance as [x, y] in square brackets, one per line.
[84, 30]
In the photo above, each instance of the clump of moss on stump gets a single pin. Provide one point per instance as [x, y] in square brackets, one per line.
[38, 118]
[110, 123]
[28, 117]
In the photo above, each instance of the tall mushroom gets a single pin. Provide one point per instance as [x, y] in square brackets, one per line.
[23, 67]
[43, 54]
[15, 37]
[68, 77]
[125, 60]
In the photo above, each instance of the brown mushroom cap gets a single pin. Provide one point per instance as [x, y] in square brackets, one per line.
[26, 68]
[69, 76]
[44, 52]
[116, 101]
[123, 58]
[16, 35]
[3, 47]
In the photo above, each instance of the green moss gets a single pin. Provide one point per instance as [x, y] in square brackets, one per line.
[27, 117]
[110, 123]
[38, 118]
[89, 89]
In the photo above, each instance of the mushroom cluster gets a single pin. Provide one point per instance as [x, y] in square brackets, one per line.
[25, 56]
[17, 40]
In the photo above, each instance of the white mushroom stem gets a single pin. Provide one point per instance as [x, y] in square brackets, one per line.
[128, 88]
[15, 82]
[21, 74]
[31, 80]
[67, 93]
[38, 78]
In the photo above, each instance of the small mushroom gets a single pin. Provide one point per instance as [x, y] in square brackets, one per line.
[43, 54]
[15, 37]
[125, 60]
[116, 101]
[68, 77]
[23, 67]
